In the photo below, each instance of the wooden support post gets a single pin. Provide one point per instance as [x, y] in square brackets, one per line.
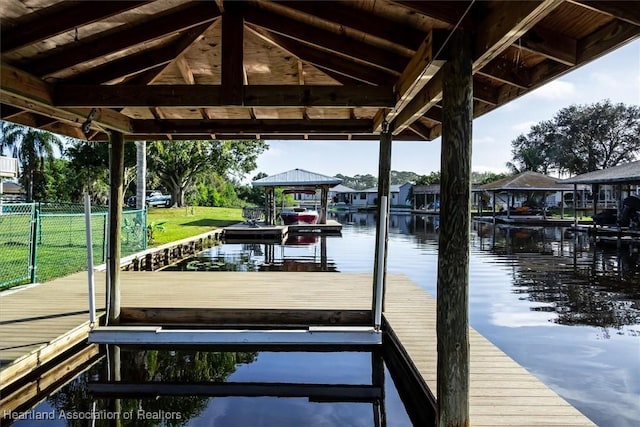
[324, 204]
[232, 66]
[116, 178]
[562, 204]
[384, 187]
[575, 205]
[273, 206]
[453, 244]
[594, 196]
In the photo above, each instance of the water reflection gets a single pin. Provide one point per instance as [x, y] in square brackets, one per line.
[151, 387]
[300, 252]
[576, 281]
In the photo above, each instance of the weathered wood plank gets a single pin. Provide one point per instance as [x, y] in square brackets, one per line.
[500, 389]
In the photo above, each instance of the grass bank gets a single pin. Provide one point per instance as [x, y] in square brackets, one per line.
[179, 223]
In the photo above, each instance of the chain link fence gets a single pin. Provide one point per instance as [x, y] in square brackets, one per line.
[42, 241]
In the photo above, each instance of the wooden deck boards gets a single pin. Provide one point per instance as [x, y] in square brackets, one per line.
[502, 392]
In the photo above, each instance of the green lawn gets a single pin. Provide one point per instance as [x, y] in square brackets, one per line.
[180, 223]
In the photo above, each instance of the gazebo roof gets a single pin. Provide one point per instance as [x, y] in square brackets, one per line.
[298, 178]
[525, 181]
[179, 69]
[627, 173]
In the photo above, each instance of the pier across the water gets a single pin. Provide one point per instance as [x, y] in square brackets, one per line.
[43, 320]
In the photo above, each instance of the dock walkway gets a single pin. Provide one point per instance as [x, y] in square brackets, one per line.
[502, 392]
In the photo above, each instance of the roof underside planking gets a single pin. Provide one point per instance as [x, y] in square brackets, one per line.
[281, 70]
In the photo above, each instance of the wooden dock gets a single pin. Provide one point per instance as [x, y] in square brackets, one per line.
[37, 320]
[246, 232]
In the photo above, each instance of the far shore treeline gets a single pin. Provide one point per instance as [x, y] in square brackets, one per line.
[578, 139]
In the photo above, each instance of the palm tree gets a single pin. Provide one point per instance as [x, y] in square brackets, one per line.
[10, 135]
[32, 147]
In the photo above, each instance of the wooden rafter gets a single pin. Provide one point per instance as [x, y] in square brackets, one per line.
[117, 39]
[326, 40]
[9, 112]
[212, 96]
[58, 19]
[141, 61]
[232, 53]
[321, 59]
[240, 126]
[550, 44]
[448, 12]
[22, 90]
[421, 68]
[615, 33]
[501, 25]
[362, 21]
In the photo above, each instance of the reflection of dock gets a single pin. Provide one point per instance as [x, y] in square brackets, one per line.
[502, 392]
[245, 232]
[530, 220]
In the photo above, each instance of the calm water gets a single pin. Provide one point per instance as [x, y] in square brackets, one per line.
[567, 311]
[260, 389]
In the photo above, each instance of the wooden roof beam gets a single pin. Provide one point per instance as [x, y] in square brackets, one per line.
[28, 92]
[425, 99]
[598, 43]
[232, 54]
[362, 21]
[504, 71]
[212, 96]
[421, 130]
[501, 24]
[444, 11]
[421, 68]
[117, 39]
[550, 44]
[59, 18]
[248, 126]
[326, 40]
[141, 61]
[8, 111]
[322, 60]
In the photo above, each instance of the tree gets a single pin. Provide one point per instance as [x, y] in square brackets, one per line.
[597, 136]
[89, 164]
[358, 182]
[534, 152]
[33, 147]
[579, 139]
[179, 164]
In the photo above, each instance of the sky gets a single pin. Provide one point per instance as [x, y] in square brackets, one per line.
[615, 76]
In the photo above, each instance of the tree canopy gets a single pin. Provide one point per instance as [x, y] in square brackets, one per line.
[580, 139]
[178, 164]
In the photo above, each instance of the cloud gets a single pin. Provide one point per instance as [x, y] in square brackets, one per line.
[484, 140]
[523, 127]
[555, 90]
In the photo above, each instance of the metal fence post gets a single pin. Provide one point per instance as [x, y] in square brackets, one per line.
[33, 250]
[104, 238]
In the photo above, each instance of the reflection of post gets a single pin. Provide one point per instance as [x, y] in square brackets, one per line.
[575, 252]
[377, 380]
[114, 374]
[493, 237]
[323, 253]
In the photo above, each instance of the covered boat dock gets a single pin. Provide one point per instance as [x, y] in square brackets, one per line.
[231, 70]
